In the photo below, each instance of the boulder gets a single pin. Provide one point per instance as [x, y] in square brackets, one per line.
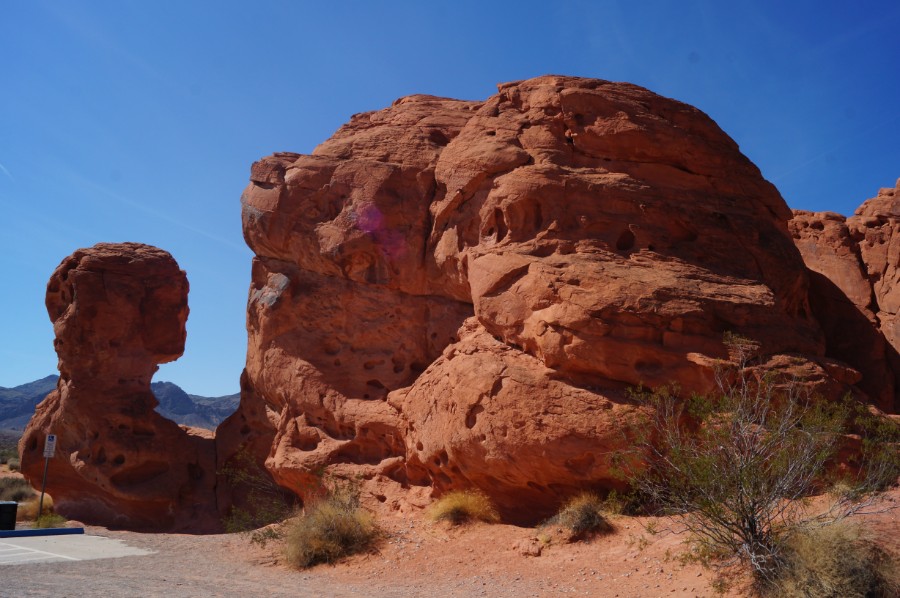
[118, 310]
[450, 294]
[853, 265]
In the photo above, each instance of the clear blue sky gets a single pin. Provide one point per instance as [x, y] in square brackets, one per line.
[138, 121]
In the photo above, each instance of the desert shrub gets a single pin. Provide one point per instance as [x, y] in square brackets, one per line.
[735, 465]
[835, 561]
[583, 516]
[28, 510]
[331, 528]
[14, 464]
[7, 453]
[461, 506]
[15, 488]
[264, 503]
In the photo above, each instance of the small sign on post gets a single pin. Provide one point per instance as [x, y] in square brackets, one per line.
[50, 446]
[49, 451]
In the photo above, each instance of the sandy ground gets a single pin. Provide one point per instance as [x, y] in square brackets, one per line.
[416, 558]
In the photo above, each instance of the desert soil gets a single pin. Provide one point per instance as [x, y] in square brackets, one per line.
[417, 558]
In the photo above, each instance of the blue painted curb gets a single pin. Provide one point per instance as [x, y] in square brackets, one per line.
[50, 531]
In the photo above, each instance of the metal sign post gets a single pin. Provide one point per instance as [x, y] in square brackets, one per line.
[49, 451]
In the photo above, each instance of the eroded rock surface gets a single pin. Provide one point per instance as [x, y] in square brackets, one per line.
[856, 287]
[118, 310]
[449, 294]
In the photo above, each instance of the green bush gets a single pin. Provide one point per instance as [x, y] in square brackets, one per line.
[15, 488]
[330, 529]
[735, 466]
[462, 506]
[835, 561]
[14, 464]
[583, 516]
[50, 520]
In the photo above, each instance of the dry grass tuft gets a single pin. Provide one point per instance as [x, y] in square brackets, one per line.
[836, 561]
[28, 510]
[463, 506]
[329, 530]
[584, 516]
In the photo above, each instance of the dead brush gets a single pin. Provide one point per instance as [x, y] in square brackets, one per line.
[330, 529]
[463, 506]
[836, 561]
[583, 517]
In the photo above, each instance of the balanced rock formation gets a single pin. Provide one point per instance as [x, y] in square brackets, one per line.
[855, 264]
[118, 310]
[451, 294]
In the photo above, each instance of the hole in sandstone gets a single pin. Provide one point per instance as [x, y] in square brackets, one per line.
[419, 446]
[491, 133]
[417, 367]
[651, 248]
[375, 384]
[472, 416]
[444, 457]
[366, 396]
[100, 459]
[370, 365]
[337, 363]
[307, 440]
[140, 474]
[625, 241]
[817, 225]
[120, 459]
[399, 368]
[380, 497]
[32, 446]
[502, 229]
[438, 137]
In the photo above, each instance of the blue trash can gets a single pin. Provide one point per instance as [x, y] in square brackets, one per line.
[8, 510]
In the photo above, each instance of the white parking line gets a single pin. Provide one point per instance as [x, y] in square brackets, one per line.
[20, 557]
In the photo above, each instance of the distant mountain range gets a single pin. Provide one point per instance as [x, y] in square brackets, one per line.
[17, 404]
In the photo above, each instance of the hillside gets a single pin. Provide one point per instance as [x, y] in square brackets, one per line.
[17, 405]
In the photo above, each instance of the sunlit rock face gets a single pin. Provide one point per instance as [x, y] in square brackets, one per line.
[119, 310]
[856, 287]
[449, 294]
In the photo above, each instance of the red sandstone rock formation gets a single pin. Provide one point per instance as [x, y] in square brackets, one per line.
[449, 294]
[118, 310]
[856, 288]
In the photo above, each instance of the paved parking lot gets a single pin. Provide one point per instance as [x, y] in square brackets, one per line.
[57, 549]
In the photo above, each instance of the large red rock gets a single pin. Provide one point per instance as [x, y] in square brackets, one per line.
[118, 310]
[856, 288]
[449, 294]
